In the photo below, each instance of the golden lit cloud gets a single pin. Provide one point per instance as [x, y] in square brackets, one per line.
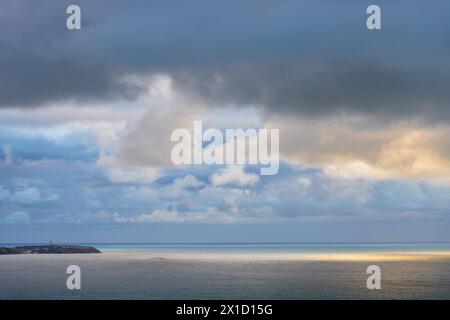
[355, 147]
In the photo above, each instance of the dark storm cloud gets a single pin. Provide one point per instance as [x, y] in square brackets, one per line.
[38, 64]
[300, 57]
[328, 88]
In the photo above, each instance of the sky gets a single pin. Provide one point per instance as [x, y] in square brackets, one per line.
[86, 118]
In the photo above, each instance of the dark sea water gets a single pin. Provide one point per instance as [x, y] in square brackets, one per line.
[264, 271]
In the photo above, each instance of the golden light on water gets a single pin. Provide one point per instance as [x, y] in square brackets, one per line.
[273, 256]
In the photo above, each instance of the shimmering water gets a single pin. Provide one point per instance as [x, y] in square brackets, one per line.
[144, 271]
[282, 247]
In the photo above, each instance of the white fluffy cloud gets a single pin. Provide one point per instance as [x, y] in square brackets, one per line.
[188, 181]
[28, 195]
[234, 175]
[136, 175]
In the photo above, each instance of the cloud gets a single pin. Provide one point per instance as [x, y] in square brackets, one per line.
[188, 181]
[132, 175]
[355, 147]
[29, 195]
[165, 195]
[234, 175]
[8, 154]
[209, 215]
[296, 193]
[44, 64]
[17, 217]
[363, 118]
[147, 142]
[4, 194]
[156, 216]
[273, 55]
[324, 88]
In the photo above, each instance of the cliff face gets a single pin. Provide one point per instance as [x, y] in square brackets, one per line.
[51, 249]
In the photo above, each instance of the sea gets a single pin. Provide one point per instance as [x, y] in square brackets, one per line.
[233, 271]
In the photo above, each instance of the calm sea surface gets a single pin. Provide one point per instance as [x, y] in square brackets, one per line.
[175, 271]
